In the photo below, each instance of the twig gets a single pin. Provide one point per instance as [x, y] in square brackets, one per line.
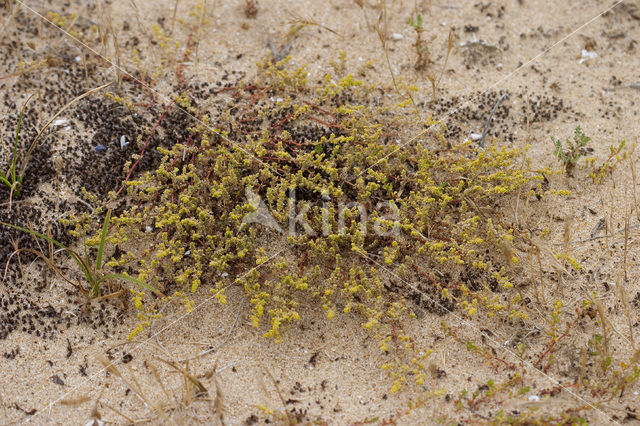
[493, 110]
[598, 237]
[597, 227]
[628, 86]
[226, 339]
[275, 385]
[299, 19]
[186, 374]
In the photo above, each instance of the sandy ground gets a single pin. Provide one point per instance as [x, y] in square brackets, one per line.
[324, 371]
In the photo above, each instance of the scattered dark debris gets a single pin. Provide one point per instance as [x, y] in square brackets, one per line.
[299, 415]
[437, 372]
[490, 10]
[314, 359]
[251, 9]
[12, 353]
[631, 415]
[27, 412]
[57, 380]
[480, 53]
[251, 420]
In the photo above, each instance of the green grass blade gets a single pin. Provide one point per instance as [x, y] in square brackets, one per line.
[37, 234]
[83, 266]
[12, 169]
[131, 280]
[103, 237]
[4, 180]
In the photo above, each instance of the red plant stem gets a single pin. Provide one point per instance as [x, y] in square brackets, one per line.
[435, 284]
[225, 89]
[395, 336]
[15, 74]
[274, 158]
[254, 98]
[335, 126]
[283, 121]
[553, 344]
[303, 261]
[144, 148]
[210, 170]
[321, 109]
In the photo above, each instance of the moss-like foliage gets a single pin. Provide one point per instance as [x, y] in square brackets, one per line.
[379, 220]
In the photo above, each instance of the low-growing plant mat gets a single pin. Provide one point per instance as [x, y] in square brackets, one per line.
[339, 212]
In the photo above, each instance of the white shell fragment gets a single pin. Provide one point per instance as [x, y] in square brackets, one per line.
[476, 136]
[123, 142]
[586, 55]
[397, 36]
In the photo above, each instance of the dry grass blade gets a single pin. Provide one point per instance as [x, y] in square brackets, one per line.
[75, 402]
[435, 83]
[188, 376]
[55, 116]
[218, 403]
[297, 19]
[277, 388]
[567, 234]
[627, 312]
[603, 320]
[626, 246]
[120, 413]
[226, 339]
[633, 188]
[203, 6]
[156, 375]
[49, 263]
[583, 366]
[135, 387]
[383, 32]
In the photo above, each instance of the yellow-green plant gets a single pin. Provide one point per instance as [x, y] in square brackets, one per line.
[430, 208]
[93, 272]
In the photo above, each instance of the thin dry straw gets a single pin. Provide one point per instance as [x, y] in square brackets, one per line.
[500, 81]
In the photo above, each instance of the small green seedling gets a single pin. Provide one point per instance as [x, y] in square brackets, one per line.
[11, 178]
[571, 153]
[417, 24]
[92, 271]
[421, 45]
